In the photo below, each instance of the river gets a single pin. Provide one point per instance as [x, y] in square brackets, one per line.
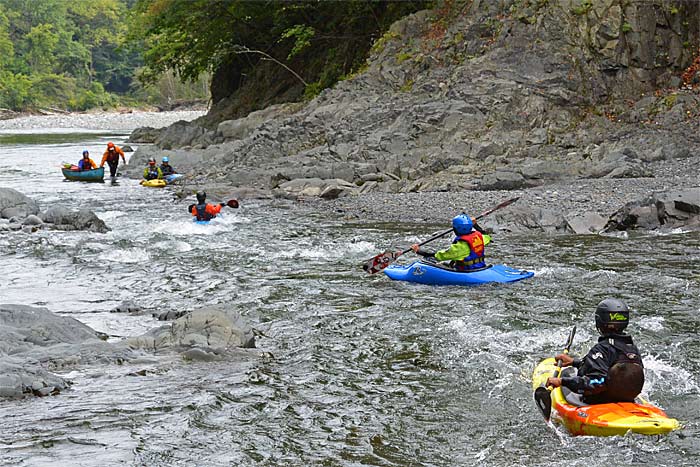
[360, 370]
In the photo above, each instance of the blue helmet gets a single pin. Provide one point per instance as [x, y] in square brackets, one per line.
[165, 159]
[85, 152]
[462, 224]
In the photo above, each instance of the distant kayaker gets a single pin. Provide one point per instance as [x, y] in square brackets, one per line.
[166, 168]
[204, 211]
[467, 249]
[612, 371]
[152, 171]
[86, 163]
[111, 157]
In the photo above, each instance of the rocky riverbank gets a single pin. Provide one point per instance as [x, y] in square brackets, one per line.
[498, 98]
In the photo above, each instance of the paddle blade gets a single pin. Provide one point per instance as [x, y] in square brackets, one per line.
[232, 203]
[543, 399]
[381, 261]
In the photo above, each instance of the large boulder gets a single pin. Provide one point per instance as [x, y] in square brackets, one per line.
[675, 209]
[34, 341]
[65, 219]
[216, 330]
[15, 204]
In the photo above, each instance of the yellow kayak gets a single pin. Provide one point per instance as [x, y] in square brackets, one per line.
[155, 183]
[602, 419]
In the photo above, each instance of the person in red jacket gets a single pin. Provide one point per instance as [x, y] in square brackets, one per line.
[111, 157]
[204, 211]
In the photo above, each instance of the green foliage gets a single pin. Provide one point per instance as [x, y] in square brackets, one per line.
[583, 8]
[14, 90]
[302, 38]
[626, 27]
[402, 57]
[321, 41]
[670, 100]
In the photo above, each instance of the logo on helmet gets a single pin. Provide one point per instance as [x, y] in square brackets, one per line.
[617, 317]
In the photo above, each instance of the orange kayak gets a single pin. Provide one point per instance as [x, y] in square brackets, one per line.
[602, 419]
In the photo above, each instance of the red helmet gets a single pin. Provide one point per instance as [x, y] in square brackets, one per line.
[110, 145]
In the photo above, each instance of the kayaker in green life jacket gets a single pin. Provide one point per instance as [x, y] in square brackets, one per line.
[152, 171]
[612, 371]
[467, 249]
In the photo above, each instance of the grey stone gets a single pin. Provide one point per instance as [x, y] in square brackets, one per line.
[587, 223]
[15, 204]
[212, 329]
[32, 220]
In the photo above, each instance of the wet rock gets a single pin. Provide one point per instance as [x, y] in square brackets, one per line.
[144, 134]
[587, 223]
[66, 219]
[32, 220]
[34, 340]
[200, 355]
[213, 329]
[127, 148]
[170, 315]
[15, 204]
[127, 306]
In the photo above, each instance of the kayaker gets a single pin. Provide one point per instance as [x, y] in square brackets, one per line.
[467, 249]
[204, 211]
[166, 168]
[111, 157]
[152, 171]
[612, 371]
[86, 163]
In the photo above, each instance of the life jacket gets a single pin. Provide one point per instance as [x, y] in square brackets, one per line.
[112, 156]
[167, 169]
[476, 258]
[202, 214]
[627, 351]
[152, 173]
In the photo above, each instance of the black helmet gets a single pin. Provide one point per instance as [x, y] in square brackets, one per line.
[201, 197]
[611, 316]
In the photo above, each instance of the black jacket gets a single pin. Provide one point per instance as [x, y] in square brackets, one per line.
[593, 368]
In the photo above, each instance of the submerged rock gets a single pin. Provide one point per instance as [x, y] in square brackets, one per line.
[212, 329]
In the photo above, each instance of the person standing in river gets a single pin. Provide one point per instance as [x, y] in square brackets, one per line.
[111, 156]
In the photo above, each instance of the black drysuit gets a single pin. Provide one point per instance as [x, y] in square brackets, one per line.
[593, 369]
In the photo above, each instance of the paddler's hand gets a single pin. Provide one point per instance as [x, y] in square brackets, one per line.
[415, 247]
[554, 382]
[566, 359]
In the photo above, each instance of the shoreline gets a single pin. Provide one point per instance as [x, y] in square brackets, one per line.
[100, 120]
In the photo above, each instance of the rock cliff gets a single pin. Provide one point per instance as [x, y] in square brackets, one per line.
[477, 95]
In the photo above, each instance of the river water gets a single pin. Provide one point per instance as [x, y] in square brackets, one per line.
[360, 370]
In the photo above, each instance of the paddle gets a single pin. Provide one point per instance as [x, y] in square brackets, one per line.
[382, 260]
[543, 395]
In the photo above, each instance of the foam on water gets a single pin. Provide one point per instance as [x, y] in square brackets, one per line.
[125, 256]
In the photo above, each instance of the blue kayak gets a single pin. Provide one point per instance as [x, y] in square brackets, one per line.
[435, 274]
[206, 222]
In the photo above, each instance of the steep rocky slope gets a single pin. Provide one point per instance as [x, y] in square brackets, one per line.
[476, 96]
